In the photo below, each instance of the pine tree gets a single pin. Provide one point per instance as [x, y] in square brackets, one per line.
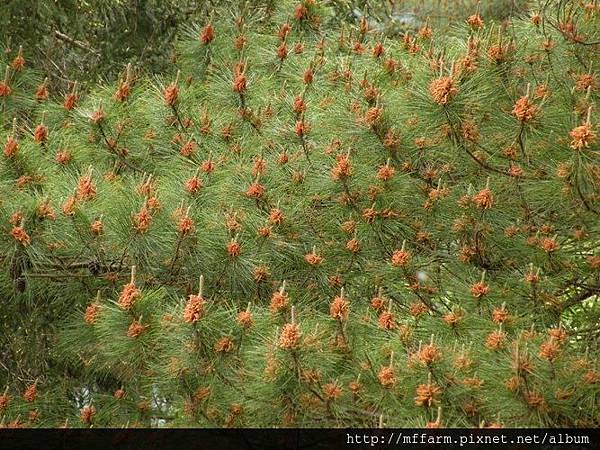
[305, 226]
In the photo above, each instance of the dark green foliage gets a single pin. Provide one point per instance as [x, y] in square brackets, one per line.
[386, 228]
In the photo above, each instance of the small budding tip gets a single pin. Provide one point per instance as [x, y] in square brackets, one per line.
[201, 286]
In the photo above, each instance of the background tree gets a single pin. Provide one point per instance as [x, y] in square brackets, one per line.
[93, 41]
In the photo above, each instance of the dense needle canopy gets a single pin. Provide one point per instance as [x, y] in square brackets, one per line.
[305, 226]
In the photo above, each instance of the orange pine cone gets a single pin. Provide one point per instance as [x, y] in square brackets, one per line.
[63, 157]
[41, 94]
[194, 309]
[185, 225]
[122, 92]
[193, 185]
[427, 395]
[86, 189]
[442, 90]
[40, 134]
[30, 393]
[20, 235]
[91, 313]
[244, 319]
[234, 249]
[386, 320]
[429, 354]
[339, 309]
[400, 258]
[387, 377]
[378, 50]
[313, 259]
[87, 414]
[136, 329]
[5, 89]
[11, 147]
[499, 315]
[290, 336]
[279, 301]
[129, 294]
[224, 345]
[4, 401]
[524, 110]
[239, 79]
[549, 350]
[70, 101]
[475, 21]
[495, 340]
[282, 51]
[255, 190]
[171, 94]
[302, 128]
[479, 289]
[142, 220]
[582, 137]
[484, 199]
[386, 173]
[208, 34]
[276, 216]
[332, 391]
[18, 63]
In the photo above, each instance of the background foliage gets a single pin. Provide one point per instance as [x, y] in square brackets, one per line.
[93, 40]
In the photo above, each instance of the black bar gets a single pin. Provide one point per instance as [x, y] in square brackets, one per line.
[296, 439]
